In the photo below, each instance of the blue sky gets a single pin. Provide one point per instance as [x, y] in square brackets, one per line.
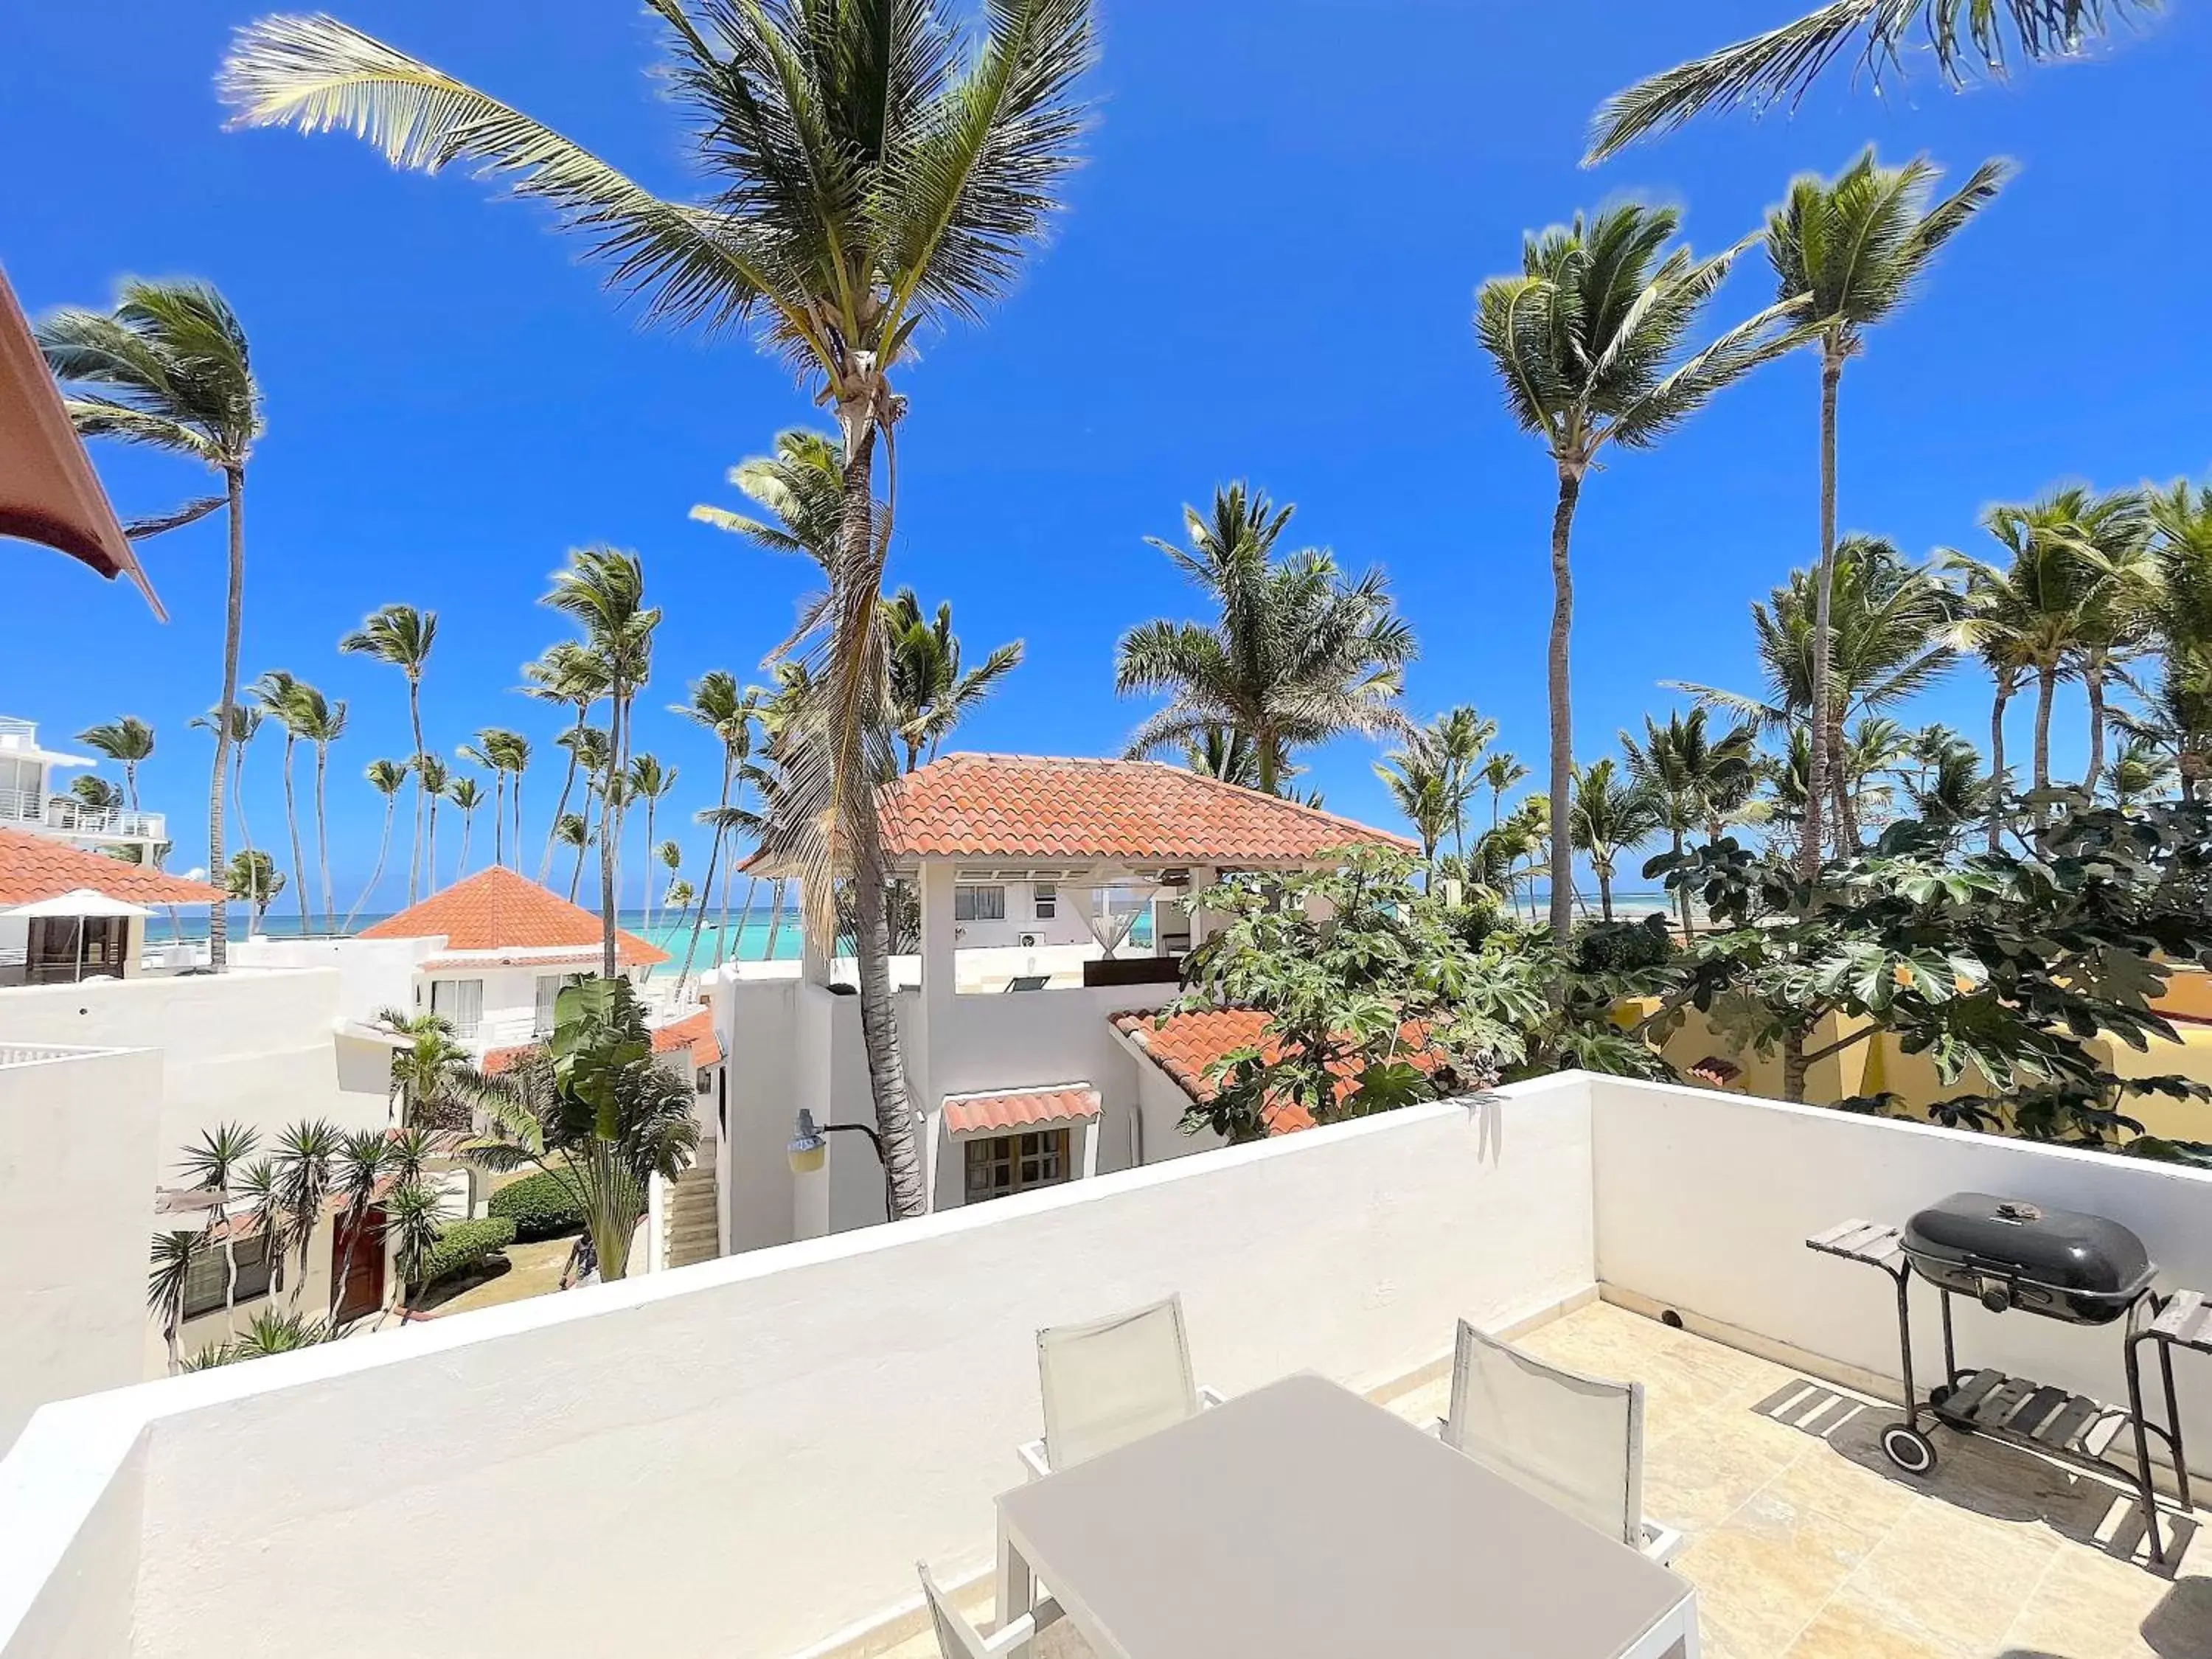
[1266, 273]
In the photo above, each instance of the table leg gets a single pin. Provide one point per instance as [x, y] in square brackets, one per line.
[1674, 1636]
[1016, 1588]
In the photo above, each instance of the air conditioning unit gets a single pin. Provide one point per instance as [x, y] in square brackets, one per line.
[1028, 941]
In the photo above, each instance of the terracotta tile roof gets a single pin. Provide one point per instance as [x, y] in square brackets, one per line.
[1030, 806]
[1187, 1046]
[497, 909]
[34, 867]
[1020, 1109]
[694, 1031]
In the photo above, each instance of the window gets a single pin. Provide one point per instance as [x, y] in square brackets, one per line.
[548, 990]
[979, 904]
[1006, 1164]
[210, 1271]
[1044, 896]
[461, 1001]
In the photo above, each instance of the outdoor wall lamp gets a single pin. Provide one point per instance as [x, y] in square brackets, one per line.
[809, 1151]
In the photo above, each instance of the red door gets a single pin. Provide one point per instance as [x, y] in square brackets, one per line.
[358, 1282]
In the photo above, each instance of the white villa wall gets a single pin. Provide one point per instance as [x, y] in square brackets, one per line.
[76, 1189]
[72, 1514]
[1705, 1199]
[373, 973]
[251, 1046]
[784, 1432]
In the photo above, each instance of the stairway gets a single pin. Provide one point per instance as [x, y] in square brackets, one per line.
[693, 1233]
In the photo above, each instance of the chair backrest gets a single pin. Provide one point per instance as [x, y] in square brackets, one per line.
[956, 1638]
[1575, 1441]
[1114, 1381]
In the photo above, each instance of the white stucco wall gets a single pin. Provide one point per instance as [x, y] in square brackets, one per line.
[72, 1512]
[783, 1433]
[77, 1190]
[1705, 1199]
[251, 1046]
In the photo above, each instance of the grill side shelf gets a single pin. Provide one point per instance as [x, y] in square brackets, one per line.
[2185, 1322]
[1862, 1240]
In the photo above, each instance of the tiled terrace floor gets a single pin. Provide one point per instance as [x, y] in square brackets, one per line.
[1804, 1542]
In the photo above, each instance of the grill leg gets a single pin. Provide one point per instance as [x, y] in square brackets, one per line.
[2173, 1424]
[1950, 1349]
[2146, 1491]
[1904, 1351]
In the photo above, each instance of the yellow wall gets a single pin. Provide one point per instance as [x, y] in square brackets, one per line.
[2188, 993]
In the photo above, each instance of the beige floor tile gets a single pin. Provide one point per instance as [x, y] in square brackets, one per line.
[1963, 1577]
[1826, 1480]
[1849, 1627]
[2086, 1607]
[1698, 1476]
[1763, 1575]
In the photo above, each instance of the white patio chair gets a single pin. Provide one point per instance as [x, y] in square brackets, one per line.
[958, 1639]
[1111, 1382]
[1575, 1441]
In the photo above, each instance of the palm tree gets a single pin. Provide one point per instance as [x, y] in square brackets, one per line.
[593, 1109]
[878, 168]
[1588, 341]
[174, 1255]
[170, 368]
[253, 878]
[127, 742]
[2173, 605]
[2141, 771]
[432, 780]
[1220, 752]
[1501, 772]
[466, 797]
[359, 1179]
[2058, 606]
[1420, 786]
[1298, 654]
[570, 829]
[716, 704]
[1611, 815]
[514, 752]
[388, 777]
[568, 674]
[214, 1162]
[649, 781]
[1854, 248]
[497, 749]
[679, 897]
[1948, 789]
[401, 637]
[1695, 781]
[671, 860]
[322, 723]
[1890, 636]
[1458, 738]
[303, 1163]
[603, 590]
[426, 1067]
[928, 693]
[1776, 69]
[414, 1216]
[277, 693]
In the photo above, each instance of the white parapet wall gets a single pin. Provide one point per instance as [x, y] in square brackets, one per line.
[780, 1434]
[1705, 1199]
[76, 1185]
[253, 1046]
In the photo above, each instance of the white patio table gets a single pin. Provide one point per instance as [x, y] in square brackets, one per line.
[1299, 1522]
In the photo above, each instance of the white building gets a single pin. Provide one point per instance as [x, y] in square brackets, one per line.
[32, 797]
[1019, 1066]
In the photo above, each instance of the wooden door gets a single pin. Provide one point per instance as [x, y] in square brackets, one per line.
[362, 1290]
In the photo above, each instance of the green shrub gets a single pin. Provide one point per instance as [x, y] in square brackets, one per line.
[540, 1206]
[465, 1244]
[1623, 947]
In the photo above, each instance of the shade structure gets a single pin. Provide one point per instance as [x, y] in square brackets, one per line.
[49, 492]
[78, 902]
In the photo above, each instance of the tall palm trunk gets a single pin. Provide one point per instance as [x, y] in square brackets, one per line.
[383, 847]
[1843, 790]
[233, 620]
[871, 927]
[468, 828]
[610, 836]
[745, 917]
[517, 809]
[1682, 896]
[292, 828]
[561, 806]
[1997, 760]
[1816, 770]
[714, 858]
[499, 815]
[652, 806]
[432, 871]
[1561, 703]
[2092, 681]
[2046, 689]
[1263, 747]
[322, 835]
[774, 918]
[1604, 873]
[421, 793]
[246, 834]
[1795, 1067]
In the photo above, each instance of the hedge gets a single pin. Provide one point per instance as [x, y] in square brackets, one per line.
[540, 1206]
[465, 1244]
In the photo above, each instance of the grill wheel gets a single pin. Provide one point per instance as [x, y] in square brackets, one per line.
[1909, 1449]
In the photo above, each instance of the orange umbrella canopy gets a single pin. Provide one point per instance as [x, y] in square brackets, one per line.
[49, 493]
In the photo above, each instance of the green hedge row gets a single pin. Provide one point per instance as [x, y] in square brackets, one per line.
[465, 1244]
[540, 1206]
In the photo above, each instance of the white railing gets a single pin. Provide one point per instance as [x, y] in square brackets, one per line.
[74, 816]
[37, 1053]
[12, 728]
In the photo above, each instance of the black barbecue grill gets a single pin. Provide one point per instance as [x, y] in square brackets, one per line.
[2059, 1264]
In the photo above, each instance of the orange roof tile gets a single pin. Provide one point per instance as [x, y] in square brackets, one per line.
[694, 1031]
[497, 909]
[33, 867]
[1188, 1044]
[1020, 1109]
[1031, 807]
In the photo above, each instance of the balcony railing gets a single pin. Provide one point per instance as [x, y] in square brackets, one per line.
[73, 817]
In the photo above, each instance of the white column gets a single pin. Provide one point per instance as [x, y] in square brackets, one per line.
[936, 1033]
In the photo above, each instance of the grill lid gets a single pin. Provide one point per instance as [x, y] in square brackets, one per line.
[2064, 1250]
